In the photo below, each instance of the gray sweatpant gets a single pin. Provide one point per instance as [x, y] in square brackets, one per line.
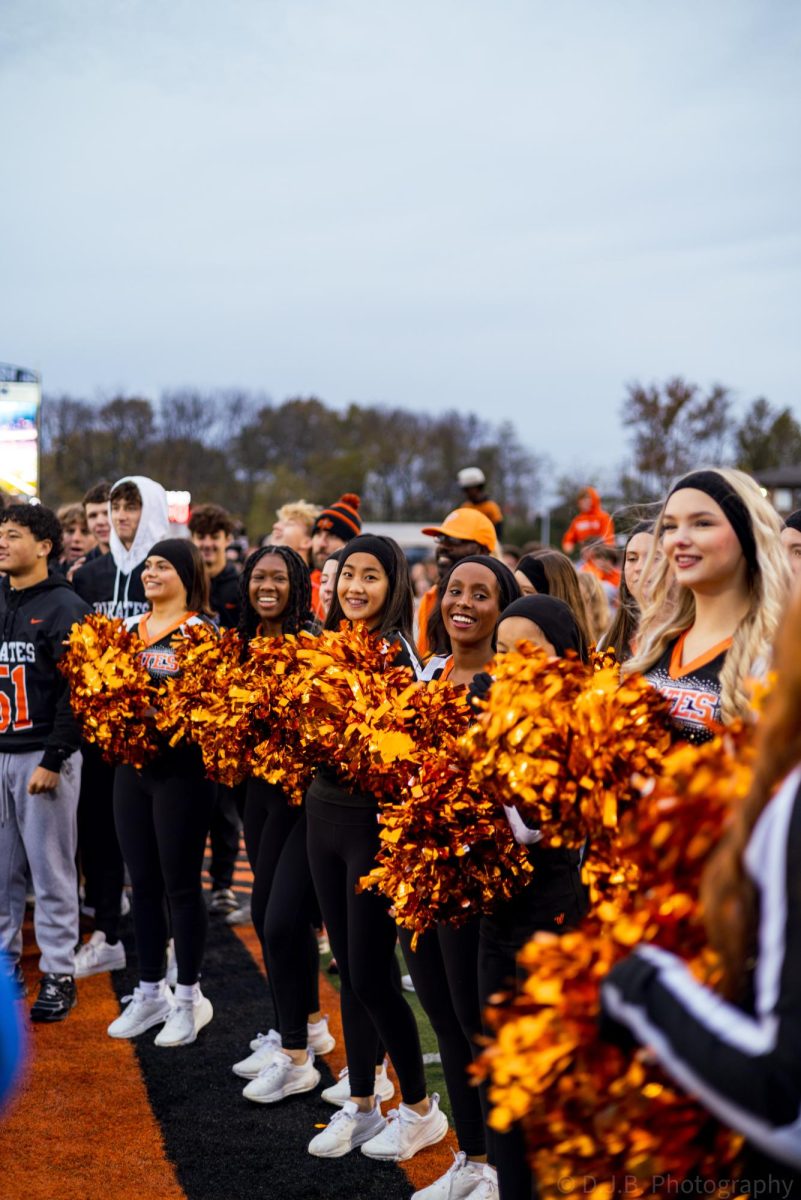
[41, 831]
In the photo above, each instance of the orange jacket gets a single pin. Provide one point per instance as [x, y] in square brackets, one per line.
[427, 604]
[592, 525]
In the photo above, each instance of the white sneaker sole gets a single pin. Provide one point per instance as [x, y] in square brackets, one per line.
[142, 1027]
[430, 1139]
[201, 1023]
[288, 1090]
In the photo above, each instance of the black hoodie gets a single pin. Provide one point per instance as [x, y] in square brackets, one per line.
[35, 709]
[226, 596]
[109, 591]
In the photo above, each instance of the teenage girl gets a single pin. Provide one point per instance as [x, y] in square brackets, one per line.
[551, 573]
[738, 1054]
[555, 899]
[704, 636]
[372, 586]
[162, 813]
[444, 964]
[622, 632]
[276, 600]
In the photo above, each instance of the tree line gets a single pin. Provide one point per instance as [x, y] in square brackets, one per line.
[244, 451]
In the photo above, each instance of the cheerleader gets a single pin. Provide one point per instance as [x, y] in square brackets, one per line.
[551, 573]
[444, 964]
[621, 634]
[276, 600]
[162, 813]
[739, 1053]
[372, 586]
[555, 900]
[715, 599]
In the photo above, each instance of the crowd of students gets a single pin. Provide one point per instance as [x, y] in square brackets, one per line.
[700, 598]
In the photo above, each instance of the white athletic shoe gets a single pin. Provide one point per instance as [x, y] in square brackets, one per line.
[282, 1078]
[460, 1181]
[172, 964]
[319, 1037]
[346, 1130]
[338, 1093]
[267, 1046]
[141, 1013]
[96, 956]
[406, 1132]
[488, 1189]
[185, 1022]
[261, 1038]
[406, 983]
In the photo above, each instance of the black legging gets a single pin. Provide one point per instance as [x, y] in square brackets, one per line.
[555, 900]
[162, 816]
[343, 843]
[98, 847]
[283, 906]
[444, 971]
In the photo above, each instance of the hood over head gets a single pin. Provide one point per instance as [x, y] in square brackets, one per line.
[154, 524]
[594, 498]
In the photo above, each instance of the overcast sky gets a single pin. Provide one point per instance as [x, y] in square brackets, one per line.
[512, 208]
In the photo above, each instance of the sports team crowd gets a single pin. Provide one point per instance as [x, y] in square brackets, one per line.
[692, 599]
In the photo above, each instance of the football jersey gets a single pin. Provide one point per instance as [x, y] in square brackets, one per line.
[692, 689]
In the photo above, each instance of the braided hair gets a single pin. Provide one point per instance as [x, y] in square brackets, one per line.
[297, 614]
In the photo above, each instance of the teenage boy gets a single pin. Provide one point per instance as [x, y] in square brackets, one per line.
[465, 531]
[473, 483]
[40, 760]
[112, 584]
[333, 529]
[294, 527]
[211, 528]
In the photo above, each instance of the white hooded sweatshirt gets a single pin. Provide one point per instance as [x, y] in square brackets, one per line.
[154, 524]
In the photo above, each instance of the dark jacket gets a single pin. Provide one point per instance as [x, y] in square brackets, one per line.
[35, 709]
[103, 585]
[226, 597]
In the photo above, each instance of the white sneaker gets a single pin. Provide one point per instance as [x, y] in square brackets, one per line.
[406, 1132]
[172, 964]
[240, 916]
[319, 1037]
[267, 1046]
[185, 1022]
[406, 983]
[141, 1013]
[338, 1093]
[281, 1078]
[460, 1181]
[346, 1130]
[488, 1189]
[96, 956]
[261, 1038]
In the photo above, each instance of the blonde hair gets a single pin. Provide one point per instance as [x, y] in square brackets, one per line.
[300, 511]
[670, 609]
[596, 604]
[71, 515]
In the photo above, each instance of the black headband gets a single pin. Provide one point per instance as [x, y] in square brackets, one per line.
[507, 584]
[555, 619]
[794, 521]
[734, 509]
[534, 571]
[370, 543]
[178, 553]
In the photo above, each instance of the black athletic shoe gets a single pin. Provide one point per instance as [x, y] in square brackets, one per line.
[57, 995]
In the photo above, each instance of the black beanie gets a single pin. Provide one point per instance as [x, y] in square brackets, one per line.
[178, 552]
[794, 521]
[555, 619]
[342, 519]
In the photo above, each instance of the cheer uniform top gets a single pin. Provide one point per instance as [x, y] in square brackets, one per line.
[159, 656]
[691, 689]
[744, 1066]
